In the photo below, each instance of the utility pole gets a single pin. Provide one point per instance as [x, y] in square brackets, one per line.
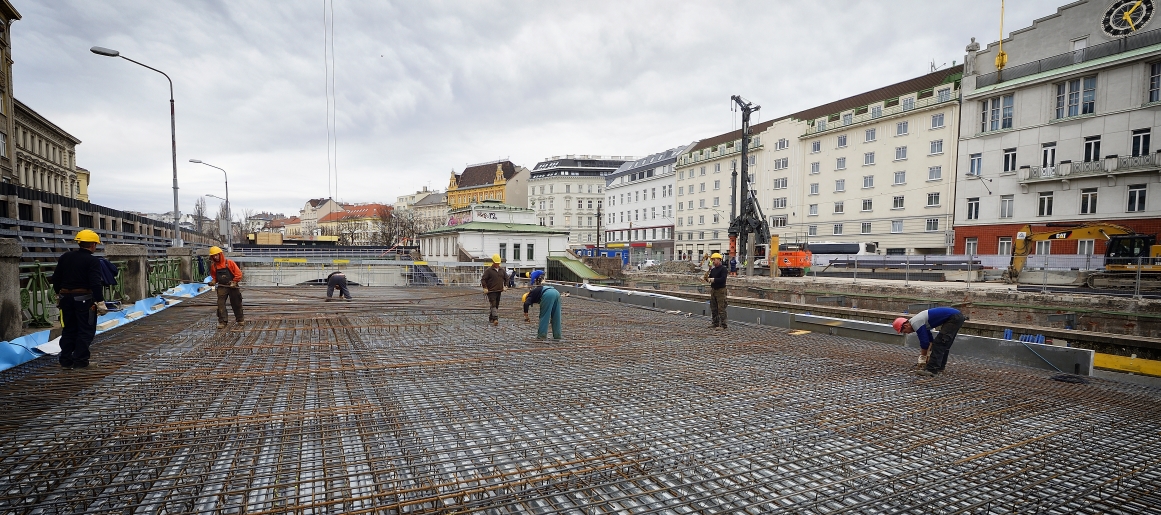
[598, 229]
[749, 220]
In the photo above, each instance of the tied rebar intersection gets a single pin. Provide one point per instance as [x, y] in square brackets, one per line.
[406, 401]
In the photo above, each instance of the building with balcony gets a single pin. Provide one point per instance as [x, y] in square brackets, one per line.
[566, 192]
[879, 167]
[477, 231]
[502, 181]
[639, 204]
[1063, 133]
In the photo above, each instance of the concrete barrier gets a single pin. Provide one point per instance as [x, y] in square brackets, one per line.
[1036, 355]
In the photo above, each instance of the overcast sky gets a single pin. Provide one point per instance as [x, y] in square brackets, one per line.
[427, 87]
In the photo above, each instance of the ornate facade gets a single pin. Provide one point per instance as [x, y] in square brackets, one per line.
[45, 154]
[502, 181]
[8, 14]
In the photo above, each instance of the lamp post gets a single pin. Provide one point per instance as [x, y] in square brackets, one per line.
[172, 136]
[229, 213]
[229, 222]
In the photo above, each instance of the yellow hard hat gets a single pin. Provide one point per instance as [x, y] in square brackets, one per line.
[524, 298]
[715, 255]
[496, 258]
[87, 236]
[215, 250]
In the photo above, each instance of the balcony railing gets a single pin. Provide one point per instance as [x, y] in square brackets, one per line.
[1107, 166]
[1133, 42]
[887, 111]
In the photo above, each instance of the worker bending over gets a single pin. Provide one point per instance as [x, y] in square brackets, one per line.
[549, 300]
[77, 283]
[718, 275]
[226, 275]
[948, 320]
[493, 282]
[338, 280]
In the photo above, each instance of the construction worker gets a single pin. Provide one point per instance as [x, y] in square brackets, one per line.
[77, 283]
[733, 266]
[549, 300]
[948, 320]
[494, 283]
[338, 279]
[718, 275]
[226, 275]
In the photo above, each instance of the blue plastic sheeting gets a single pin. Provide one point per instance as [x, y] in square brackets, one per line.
[23, 349]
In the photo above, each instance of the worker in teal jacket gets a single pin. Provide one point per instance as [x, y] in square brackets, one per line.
[549, 300]
[948, 320]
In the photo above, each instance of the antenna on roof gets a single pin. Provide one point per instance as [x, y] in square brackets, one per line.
[935, 68]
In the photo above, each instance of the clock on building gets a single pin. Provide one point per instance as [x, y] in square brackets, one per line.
[1125, 17]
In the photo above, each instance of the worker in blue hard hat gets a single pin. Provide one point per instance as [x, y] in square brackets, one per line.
[549, 300]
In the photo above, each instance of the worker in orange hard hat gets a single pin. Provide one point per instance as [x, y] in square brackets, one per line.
[494, 282]
[77, 283]
[948, 320]
[225, 273]
[716, 276]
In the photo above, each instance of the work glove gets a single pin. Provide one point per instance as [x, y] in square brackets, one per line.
[101, 308]
[234, 284]
[922, 360]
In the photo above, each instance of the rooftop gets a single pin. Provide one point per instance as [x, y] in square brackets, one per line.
[484, 174]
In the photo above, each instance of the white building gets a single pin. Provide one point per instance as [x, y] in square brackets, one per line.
[476, 232]
[639, 206]
[1063, 135]
[406, 201]
[566, 192]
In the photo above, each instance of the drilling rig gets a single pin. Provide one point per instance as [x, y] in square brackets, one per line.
[748, 224]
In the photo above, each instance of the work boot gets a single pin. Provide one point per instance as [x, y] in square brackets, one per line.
[924, 373]
[221, 325]
[711, 326]
[496, 323]
[241, 323]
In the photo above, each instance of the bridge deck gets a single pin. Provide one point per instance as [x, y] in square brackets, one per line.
[404, 401]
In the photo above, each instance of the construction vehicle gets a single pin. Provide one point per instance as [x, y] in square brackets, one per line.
[794, 260]
[1128, 255]
[749, 226]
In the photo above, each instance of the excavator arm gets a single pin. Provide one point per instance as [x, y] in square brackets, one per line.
[1025, 241]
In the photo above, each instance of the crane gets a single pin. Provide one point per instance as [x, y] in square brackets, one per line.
[749, 221]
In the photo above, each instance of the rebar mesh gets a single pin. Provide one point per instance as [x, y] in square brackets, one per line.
[406, 401]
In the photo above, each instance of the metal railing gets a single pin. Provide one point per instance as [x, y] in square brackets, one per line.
[722, 151]
[39, 240]
[1133, 42]
[887, 111]
[1105, 166]
[164, 274]
[36, 294]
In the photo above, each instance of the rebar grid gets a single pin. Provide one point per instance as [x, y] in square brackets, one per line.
[406, 401]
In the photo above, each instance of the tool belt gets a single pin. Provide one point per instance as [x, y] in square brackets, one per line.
[76, 291]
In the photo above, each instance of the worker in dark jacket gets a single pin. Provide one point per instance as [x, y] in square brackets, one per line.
[549, 300]
[77, 283]
[948, 320]
[338, 280]
[494, 282]
[716, 276]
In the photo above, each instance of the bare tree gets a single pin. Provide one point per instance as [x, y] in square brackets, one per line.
[396, 227]
[199, 215]
[223, 214]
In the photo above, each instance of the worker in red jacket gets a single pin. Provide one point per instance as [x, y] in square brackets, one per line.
[226, 275]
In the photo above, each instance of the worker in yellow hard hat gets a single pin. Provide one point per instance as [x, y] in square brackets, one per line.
[494, 282]
[77, 283]
[225, 273]
[716, 276]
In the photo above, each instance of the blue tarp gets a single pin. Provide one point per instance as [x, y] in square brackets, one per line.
[23, 349]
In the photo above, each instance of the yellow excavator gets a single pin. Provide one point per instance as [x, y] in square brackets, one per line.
[1125, 253]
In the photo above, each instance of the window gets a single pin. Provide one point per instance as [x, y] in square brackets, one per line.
[900, 153]
[1044, 248]
[908, 103]
[847, 119]
[869, 135]
[3, 144]
[973, 208]
[1085, 247]
[703, 170]
[897, 202]
[1048, 159]
[866, 228]
[1007, 204]
[838, 208]
[900, 177]
[780, 183]
[896, 226]
[782, 144]
[814, 188]
[701, 220]
[937, 146]
[1004, 246]
[1009, 160]
[580, 204]
[840, 163]
[701, 203]
[715, 201]
[1155, 82]
[996, 113]
[838, 229]
[782, 164]
[840, 185]
[813, 210]
[876, 111]
[1076, 97]
[933, 199]
[701, 187]
[1092, 149]
[716, 221]
[780, 203]
[778, 221]
[1044, 206]
[901, 128]
[971, 246]
[815, 146]
[1140, 142]
[934, 173]
[932, 224]
[812, 230]
[1088, 201]
[717, 185]
[937, 120]
[550, 222]
[842, 140]
[867, 204]
[822, 124]
[1136, 198]
[943, 95]
[869, 158]
[814, 167]
[868, 181]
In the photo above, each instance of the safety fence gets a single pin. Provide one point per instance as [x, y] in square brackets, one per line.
[164, 273]
[38, 299]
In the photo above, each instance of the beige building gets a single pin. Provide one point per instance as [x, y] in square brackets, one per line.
[45, 154]
[431, 211]
[8, 14]
[567, 191]
[405, 201]
[314, 210]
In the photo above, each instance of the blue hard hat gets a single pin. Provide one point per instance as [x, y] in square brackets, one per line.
[536, 274]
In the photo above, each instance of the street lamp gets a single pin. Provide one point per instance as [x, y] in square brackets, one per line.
[229, 214]
[172, 136]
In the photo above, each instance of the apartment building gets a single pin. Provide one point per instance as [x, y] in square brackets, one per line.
[879, 167]
[502, 181]
[703, 190]
[1062, 134]
[566, 192]
[639, 206]
[781, 185]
